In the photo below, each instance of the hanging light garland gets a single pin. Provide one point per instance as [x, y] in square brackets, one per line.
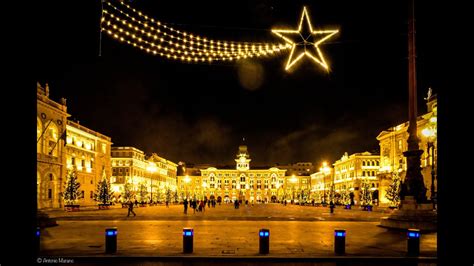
[128, 25]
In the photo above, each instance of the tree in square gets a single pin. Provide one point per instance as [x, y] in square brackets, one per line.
[72, 188]
[393, 190]
[104, 193]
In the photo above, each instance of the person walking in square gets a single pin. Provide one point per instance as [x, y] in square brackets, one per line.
[130, 209]
[185, 203]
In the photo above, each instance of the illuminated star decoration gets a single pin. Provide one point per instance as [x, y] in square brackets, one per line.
[305, 41]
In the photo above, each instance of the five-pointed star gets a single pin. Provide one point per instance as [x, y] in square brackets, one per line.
[305, 41]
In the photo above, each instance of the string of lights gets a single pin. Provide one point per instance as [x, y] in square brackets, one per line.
[162, 40]
[184, 33]
[108, 20]
[214, 48]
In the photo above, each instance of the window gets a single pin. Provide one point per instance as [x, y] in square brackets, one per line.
[242, 179]
[373, 173]
[378, 163]
[120, 170]
[92, 182]
[91, 194]
[211, 185]
[82, 194]
[363, 173]
[211, 178]
[50, 193]
[363, 163]
[92, 164]
[50, 177]
[266, 186]
[266, 181]
[83, 163]
[273, 185]
[226, 181]
[73, 161]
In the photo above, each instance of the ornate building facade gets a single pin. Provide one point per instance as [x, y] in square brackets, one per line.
[148, 178]
[63, 145]
[51, 122]
[393, 142]
[352, 170]
[255, 184]
[88, 152]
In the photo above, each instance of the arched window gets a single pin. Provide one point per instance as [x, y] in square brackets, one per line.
[51, 139]
[39, 130]
[363, 163]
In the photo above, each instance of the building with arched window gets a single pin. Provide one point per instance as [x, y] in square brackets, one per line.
[242, 182]
[393, 142]
[51, 123]
[64, 145]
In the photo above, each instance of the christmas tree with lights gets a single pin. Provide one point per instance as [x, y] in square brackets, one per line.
[393, 191]
[72, 188]
[103, 193]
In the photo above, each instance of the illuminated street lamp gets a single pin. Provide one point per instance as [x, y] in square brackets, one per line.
[325, 170]
[293, 181]
[151, 169]
[430, 134]
[204, 185]
[186, 180]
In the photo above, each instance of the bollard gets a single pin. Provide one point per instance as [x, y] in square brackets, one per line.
[111, 240]
[413, 242]
[38, 238]
[264, 243]
[188, 235]
[340, 241]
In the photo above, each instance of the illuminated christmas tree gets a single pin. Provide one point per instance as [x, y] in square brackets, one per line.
[103, 193]
[393, 191]
[365, 195]
[128, 192]
[72, 188]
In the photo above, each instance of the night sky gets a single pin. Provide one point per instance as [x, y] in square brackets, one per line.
[199, 113]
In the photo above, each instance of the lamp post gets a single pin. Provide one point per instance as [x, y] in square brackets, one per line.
[430, 134]
[204, 186]
[325, 170]
[151, 169]
[186, 180]
[293, 181]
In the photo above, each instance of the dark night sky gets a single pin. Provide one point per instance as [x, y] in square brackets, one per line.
[199, 112]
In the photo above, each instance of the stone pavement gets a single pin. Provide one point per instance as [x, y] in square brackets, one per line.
[224, 238]
[257, 212]
[295, 231]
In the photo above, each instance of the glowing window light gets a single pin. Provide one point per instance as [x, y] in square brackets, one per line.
[288, 36]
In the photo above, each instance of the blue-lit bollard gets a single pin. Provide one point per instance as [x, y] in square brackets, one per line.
[264, 243]
[38, 238]
[413, 242]
[188, 235]
[111, 240]
[340, 242]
